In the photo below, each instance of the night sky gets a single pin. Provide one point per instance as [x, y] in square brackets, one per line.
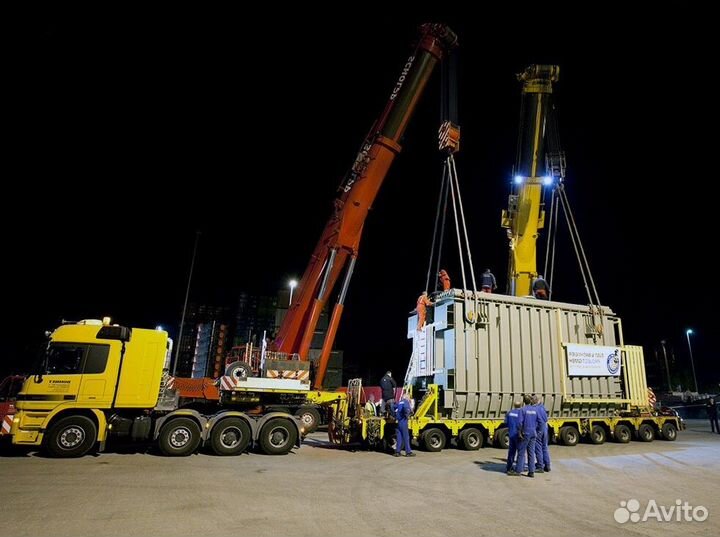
[129, 133]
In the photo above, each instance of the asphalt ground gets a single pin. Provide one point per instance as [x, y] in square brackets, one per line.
[319, 490]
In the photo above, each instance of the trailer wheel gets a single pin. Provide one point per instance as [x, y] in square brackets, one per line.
[597, 435]
[433, 440]
[179, 438]
[238, 370]
[277, 436]
[73, 436]
[669, 431]
[310, 418]
[502, 438]
[646, 433]
[230, 436]
[569, 435]
[622, 433]
[471, 439]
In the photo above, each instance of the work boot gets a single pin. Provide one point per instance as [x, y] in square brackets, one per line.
[531, 474]
[539, 470]
[411, 454]
[512, 473]
[547, 468]
[396, 454]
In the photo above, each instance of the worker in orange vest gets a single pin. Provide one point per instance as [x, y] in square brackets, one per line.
[422, 303]
[444, 279]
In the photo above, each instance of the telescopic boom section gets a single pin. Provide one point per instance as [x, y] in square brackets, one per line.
[524, 216]
[339, 242]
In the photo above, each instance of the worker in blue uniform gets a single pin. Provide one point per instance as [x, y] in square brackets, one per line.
[513, 420]
[403, 410]
[527, 440]
[542, 454]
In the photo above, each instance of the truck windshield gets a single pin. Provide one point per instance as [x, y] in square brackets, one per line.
[76, 358]
[64, 359]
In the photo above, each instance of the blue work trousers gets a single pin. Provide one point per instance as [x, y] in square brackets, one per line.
[403, 437]
[512, 453]
[527, 447]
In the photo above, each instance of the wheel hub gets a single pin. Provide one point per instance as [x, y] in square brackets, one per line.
[71, 437]
[180, 437]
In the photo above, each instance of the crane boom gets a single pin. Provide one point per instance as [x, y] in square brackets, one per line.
[340, 240]
[524, 216]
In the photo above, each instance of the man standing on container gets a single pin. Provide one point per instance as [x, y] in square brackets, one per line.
[540, 288]
[487, 282]
[444, 279]
[542, 454]
[527, 441]
[513, 420]
[402, 439]
[388, 385]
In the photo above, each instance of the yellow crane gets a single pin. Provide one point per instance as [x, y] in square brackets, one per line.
[525, 216]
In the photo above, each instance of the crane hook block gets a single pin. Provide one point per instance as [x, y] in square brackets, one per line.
[449, 137]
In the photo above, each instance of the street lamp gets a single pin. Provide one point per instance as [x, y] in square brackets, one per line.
[692, 362]
[667, 367]
[293, 285]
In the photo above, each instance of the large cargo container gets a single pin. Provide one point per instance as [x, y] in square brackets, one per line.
[486, 350]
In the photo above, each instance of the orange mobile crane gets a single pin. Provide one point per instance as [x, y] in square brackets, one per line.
[336, 250]
[338, 246]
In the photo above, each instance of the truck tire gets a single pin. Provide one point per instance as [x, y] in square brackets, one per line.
[277, 436]
[471, 439]
[310, 418]
[645, 433]
[72, 436]
[502, 438]
[668, 431]
[569, 435]
[598, 435]
[433, 440]
[230, 436]
[622, 433]
[238, 370]
[179, 437]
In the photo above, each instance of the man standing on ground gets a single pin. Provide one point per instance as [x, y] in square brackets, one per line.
[528, 434]
[542, 454]
[402, 439]
[513, 420]
[712, 413]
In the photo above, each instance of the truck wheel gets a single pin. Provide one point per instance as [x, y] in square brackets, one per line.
[502, 438]
[597, 435]
[569, 435]
[669, 431]
[646, 433]
[433, 440]
[277, 436]
[73, 436]
[230, 436]
[179, 438]
[622, 433]
[238, 370]
[310, 418]
[471, 439]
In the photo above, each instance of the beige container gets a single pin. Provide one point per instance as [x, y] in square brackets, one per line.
[487, 350]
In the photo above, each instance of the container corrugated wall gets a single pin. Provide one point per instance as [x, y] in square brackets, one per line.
[514, 349]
